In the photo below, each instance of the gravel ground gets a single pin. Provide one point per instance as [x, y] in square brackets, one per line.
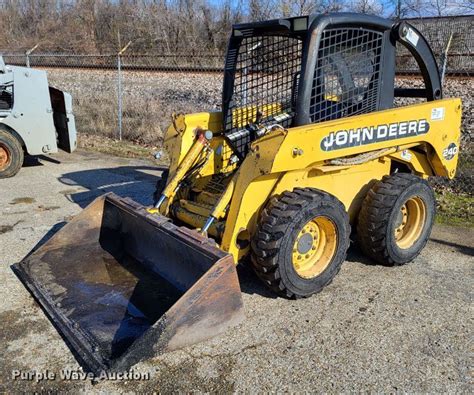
[403, 329]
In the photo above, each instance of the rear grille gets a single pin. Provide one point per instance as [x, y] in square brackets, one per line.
[346, 79]
[265, 81]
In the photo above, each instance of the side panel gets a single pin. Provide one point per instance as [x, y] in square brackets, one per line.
[435, 125]
[32, 114]
[283, 160]
[247, 202]
[348, 184]
[71, 121]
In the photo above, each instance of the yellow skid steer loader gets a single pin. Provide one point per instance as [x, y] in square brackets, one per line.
[308, 142]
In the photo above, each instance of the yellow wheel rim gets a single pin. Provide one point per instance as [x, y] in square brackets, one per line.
[314, 247]
[410, 222]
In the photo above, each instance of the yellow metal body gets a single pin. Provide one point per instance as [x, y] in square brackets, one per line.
[242, 115]
[282, 160]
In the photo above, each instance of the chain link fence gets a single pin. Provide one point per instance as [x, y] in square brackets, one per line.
[451, 40]
[132, 96]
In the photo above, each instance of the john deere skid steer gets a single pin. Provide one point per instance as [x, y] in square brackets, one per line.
[308, 143]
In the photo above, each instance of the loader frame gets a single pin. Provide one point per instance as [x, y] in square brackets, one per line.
[305, 151]
[301, 161]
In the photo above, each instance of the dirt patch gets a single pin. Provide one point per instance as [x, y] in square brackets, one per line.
[14, 212]
[69, 191]
[8, 228]
[47, 208]
[15, 327]
[124, 149]
[22, 334]
[203, 374]
[23, 200]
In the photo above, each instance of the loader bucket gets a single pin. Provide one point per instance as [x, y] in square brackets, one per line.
[122, 285]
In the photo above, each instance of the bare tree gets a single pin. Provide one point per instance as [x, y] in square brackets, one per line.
[373, 7]
[419, 8]
[157, 26]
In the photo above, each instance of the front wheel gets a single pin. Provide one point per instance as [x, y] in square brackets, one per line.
[301, 242]
[396, 219]
[11, 154]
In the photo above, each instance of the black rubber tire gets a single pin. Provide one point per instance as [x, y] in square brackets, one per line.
[280, 222]
[15, 153]
[160, 185]
[378, 216]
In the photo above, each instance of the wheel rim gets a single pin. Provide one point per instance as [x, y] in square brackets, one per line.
[5, 157]
[410, 222]
[314, 247]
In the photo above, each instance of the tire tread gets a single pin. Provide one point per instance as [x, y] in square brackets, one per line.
[375, 213]
[274, 223]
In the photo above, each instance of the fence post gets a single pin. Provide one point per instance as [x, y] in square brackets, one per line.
[445, 59]
[28, 53]
[119, 88]
[119, 93]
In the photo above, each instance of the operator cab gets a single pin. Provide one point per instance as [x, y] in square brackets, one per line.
[296, 71]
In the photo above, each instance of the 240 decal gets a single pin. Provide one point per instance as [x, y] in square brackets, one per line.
[450, 152]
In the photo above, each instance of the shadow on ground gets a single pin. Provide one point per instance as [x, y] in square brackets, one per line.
[251, 284]
[460, 248]
[355, 255]
[33, 161]
[124, 181]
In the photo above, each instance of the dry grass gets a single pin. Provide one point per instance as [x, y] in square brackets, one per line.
[455, 208]
[123, 149]
[149, 99]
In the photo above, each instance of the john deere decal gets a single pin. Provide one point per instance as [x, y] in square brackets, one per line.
[373, 134]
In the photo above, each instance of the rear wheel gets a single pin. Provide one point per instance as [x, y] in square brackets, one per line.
[301, 242]
[11, 154]
[396, 219]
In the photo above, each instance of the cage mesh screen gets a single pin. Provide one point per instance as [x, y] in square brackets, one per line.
[346, 79]
[265, 81]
